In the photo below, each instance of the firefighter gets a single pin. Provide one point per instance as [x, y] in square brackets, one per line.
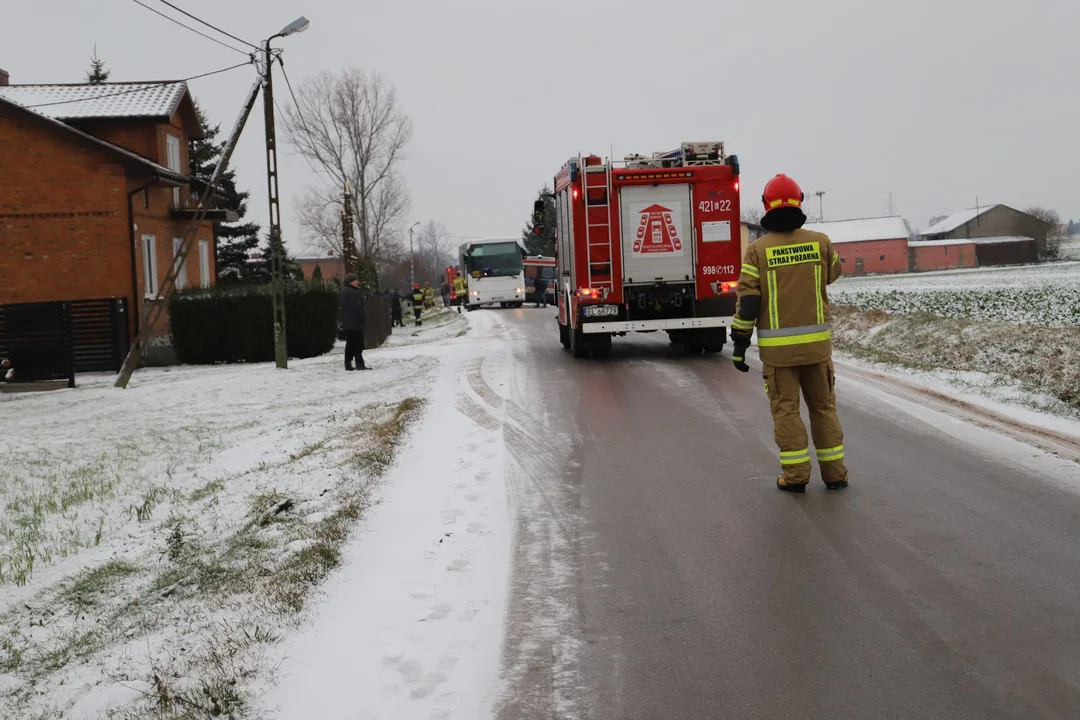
[417, 303]
[429, 295]
[782, 293]
[459, 291]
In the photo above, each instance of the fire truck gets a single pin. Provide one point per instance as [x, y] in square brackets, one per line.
[647, 244]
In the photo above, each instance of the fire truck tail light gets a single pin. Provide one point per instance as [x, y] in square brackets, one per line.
[736, 187]
[728, 287]
[586, 292]
[576, 193]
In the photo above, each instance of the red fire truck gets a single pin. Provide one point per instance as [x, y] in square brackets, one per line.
[647, 244]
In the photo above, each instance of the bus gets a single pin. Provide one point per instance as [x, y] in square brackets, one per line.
[543, 267]
[495, 271]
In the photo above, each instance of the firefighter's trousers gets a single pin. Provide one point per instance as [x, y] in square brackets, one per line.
[817, 385]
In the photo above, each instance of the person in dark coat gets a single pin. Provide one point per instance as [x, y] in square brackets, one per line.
[395, 309]
[541, 285]
[445, 291]
[352, 321]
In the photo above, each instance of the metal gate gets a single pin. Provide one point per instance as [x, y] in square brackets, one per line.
[56, 340]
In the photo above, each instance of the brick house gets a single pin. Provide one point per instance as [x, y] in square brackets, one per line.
[869, 245]
[95, 196]
[994, 222]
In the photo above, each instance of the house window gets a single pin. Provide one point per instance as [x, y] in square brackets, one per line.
[882, 257]
[172, 144]
[181, 277]
[204, 263]
[150, 274]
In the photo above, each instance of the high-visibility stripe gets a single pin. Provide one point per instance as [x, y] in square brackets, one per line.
[835, 257]
[794, 339]
[794, 457]
[776, 203]
[817, 295]
[737, 358]
[830, 454]
[750, 270]
[740, 324]
[801, 330]
[774, 313]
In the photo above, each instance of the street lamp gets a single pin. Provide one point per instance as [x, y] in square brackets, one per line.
[281, 352]
[412, 269]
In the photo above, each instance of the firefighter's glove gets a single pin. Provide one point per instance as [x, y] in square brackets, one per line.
[738, 354]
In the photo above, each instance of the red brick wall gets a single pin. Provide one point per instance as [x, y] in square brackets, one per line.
[331, 267]
[63, 218]
[943, 257]
[877, 256]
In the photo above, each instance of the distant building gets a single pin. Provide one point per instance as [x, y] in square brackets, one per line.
[869, 245]
[1018, 237]
[331, 268]
[974, 252]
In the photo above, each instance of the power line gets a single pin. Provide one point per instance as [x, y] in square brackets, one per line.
[144, 88]
[212, 27]
[299, 112]
[197, 32]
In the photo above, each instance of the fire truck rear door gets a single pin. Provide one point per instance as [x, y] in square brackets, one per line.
[657, 244]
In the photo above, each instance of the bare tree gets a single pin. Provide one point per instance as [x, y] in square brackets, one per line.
[936, 219]
[434, 250]
[752, 214]
[1055, 229]
[350, 126]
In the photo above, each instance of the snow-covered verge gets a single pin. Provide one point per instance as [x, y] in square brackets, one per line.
[413, 627]
[158, 543]
[1047, 294]
[1032, 366]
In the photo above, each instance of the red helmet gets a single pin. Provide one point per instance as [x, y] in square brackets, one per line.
[781, 192]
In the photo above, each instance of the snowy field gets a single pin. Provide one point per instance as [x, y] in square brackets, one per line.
[158, 545]
[1047, 294]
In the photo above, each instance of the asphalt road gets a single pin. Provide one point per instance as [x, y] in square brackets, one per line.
[660, 574]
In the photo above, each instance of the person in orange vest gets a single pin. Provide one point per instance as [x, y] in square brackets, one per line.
[782, 293]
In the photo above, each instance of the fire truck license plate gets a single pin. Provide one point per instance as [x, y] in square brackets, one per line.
[601, 311]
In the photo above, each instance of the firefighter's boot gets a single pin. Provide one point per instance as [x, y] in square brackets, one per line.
[819, 389]
[783, 387]
[783, 484]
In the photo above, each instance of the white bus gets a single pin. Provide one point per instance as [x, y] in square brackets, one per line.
[494, 270]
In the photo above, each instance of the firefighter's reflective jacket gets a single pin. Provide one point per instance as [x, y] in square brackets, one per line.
[417, 297]
[782, 292]
[459, 287]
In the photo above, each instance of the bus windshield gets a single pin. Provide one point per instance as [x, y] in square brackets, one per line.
[494, 260]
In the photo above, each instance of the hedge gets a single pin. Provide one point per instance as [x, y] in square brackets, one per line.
[234, 325]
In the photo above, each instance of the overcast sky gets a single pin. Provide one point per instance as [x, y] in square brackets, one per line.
[934, 101]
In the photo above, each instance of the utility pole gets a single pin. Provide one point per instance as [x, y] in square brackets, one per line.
[890, 205]
[412, 257]
[348, 241]
[153, 310]
[277, 283]
[821, 213]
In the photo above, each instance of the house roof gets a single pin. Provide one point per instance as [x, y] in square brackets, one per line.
[973, 241]
[156, 100]
[957, 219]
[126, 157]
[893, 227]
